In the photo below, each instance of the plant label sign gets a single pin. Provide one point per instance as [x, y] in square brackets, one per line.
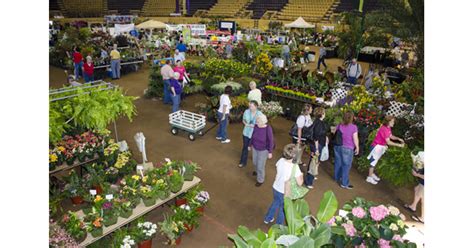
[93, 192]
[109, 197]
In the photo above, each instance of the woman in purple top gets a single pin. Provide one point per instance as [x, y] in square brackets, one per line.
[344, 153]
[262, 147]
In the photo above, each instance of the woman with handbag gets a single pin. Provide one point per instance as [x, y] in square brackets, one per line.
[249, 119]
[345, 147]
[302, 125]
[262, 146]
[319, 141]
[287, 172]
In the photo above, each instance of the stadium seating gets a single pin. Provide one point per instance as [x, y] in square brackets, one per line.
[123, 7]
[84, 8]
[310, 10]
[158, 7]
[259, 7]
[195, 5]
[53, 5]
[228, 8]
[350, 5]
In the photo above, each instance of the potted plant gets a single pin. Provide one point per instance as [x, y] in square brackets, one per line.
[188, 216]
[172, 230]
[190, 169]
[74, 188]
[130, 189]
[110, 214]
[124, 208]
[202, 198]
[176, 181]
[111, 174]
[53, 160]
[95, 177]
[148, 195]
[58, 237]
[162, 189]
[94, 224]
[111, 152]
[74, 226]
[145, 233]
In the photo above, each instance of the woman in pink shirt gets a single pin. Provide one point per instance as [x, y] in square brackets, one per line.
[179, 68]
[378, 147]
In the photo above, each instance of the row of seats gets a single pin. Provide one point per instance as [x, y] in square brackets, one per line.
[53, 5]
[350, 5]
[123, 7]
[227, 7]
[308, 9]
[259, 7]
[159, 7]
[195, 5]
[84, 8]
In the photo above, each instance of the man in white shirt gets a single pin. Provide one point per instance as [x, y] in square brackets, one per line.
[178, 56]
[167, 73]
[353, 72]
[254, 93]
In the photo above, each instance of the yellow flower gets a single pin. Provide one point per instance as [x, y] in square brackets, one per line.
[98, 198]
[53, 158]
[136, 177]
[144, 179]
[61, 148]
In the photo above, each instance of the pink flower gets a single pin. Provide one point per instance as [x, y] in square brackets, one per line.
[378, 213]
[383, 243]
[350, 230]
[397, 238]
[358, 212]
[332, 221]
[360, 246]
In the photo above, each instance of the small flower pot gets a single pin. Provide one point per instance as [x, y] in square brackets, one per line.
[149, 201]
[126, 214]
[176, 187]
[76, 200]
[81, 238]
[162, 195]
[180, 202]
[190, 176]
[97, 232]
[189, 228]
[145, 244]
[70, 161]
[200, 209]
[98, 189]
[111, 220]
[178, 241]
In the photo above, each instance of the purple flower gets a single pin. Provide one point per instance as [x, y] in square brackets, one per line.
[332, 221]
[350, 230]
[107, 205]
[358, 212]
[378, 213]
[398, 238]
[383, 243]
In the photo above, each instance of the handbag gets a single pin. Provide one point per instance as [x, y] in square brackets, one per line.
[306, 132]
[337, 141]
[296, 191]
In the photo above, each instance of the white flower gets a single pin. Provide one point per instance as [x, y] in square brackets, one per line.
[393, 227]
[393, 210]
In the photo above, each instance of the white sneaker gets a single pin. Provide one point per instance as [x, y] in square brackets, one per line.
[225, 141]
[267, 222]
[375, 177]
[218, 138]
[309, 186]
[371, 180]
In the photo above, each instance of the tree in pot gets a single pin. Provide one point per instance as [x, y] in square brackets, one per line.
[74, 226]
[74, 188]
[144, 234]
[172, 229]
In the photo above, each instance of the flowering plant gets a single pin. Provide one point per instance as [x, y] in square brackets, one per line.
[271, 109]
[263, 64]
[171, 228]
[145, 231]
[360, 98]
[176, 181]
[93, 222]
[122, 159]
[366, 224]
[127, 242]
[74, 226]
[369, 118]
[74, 186]
[147, 192]
[58, 237]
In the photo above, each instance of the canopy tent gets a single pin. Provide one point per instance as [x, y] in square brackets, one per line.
[299, 23]
[151, 24]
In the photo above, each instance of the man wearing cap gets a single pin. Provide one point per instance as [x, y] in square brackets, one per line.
[353, 72]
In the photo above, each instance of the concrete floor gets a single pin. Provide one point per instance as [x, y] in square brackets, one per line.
[234, 198]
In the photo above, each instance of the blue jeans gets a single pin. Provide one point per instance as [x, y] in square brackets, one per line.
[352, 80]
[309, 179]
[321, 61]
[286, 57]
[176, 100]
[115, 66]
[166, 92]
[88, 78]
[277, 206]
[222, 129]
[78, 69]
[342, 164]
[245, 150]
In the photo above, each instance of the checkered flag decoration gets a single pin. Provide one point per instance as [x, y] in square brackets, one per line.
[398, 109]
[338, 94]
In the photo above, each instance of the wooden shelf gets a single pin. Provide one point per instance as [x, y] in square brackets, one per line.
[137, 212]
[65, 166]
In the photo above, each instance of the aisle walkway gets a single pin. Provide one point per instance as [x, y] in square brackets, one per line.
[234, 198]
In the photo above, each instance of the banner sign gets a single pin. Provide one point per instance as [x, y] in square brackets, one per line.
[324, 28]
[119, 19]
[186, 35]
[196, 29]
[123, 28]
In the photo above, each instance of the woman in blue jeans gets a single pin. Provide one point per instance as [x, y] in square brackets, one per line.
[223, 115]
[176, 90]
[249, 120]
[343, 154]
[281, 186]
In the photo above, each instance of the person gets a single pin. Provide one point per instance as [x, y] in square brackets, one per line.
[78, 63]
[303, 120]
[322, 57]
[286, 54]
[249, 120]
[166, 73]
[178, 56]
[369, 77]
[262, 146]
[176, 89]
[88, 70]
[343, 154]
[223, 115]
[103, 55]
[115, 62]
[281, 185]
[179, 68]
[254, 93]
[353, 72]
[419, 173]
[319, 141]
[181, 47]
[71, 80]
[306, 54]
[378, 147]
[228, 49]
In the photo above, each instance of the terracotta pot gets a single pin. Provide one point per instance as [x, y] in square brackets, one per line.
[145, 244]
[76, 200]
[180, 202]
[178, 241]
[189, 228]
[98, 189]
[200, 209]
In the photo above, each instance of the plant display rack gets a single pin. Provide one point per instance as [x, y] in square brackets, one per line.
[65, 166]
[140, 210]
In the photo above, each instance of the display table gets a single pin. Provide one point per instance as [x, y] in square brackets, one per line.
[137, 212]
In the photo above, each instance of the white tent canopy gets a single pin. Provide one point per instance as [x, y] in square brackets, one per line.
[299, 23]
[151, 24]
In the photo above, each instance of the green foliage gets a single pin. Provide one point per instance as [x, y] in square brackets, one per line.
[226, 68]
[218, 89]
[412, 90]
[327, 207]
[155, 83]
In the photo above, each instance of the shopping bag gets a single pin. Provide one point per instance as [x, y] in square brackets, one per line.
[313, 166]
[296, 191]
[324, 154]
